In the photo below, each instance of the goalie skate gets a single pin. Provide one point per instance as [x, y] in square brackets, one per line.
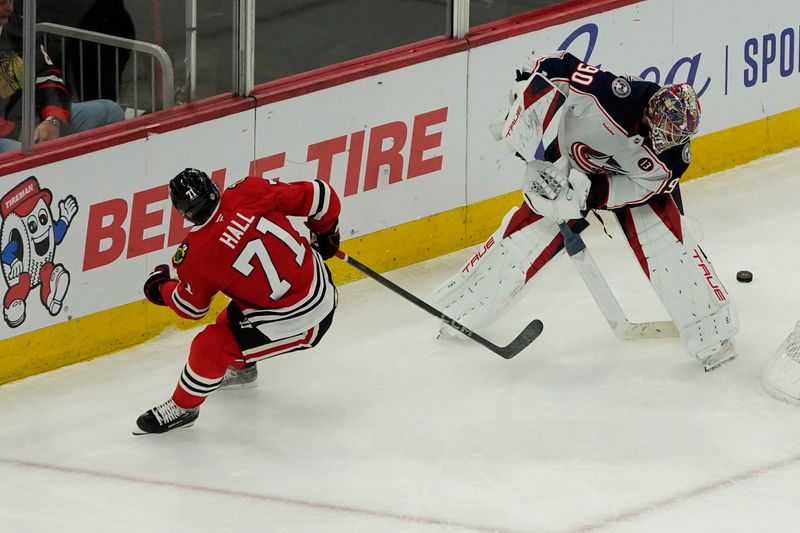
[718, 356]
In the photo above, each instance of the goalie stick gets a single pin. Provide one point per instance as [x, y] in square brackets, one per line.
[605, 299]
[552, 99]
[528, 335]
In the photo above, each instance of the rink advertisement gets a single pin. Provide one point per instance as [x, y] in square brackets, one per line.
[408, 149]
[78, 240]
[392, 159]
[744, 71]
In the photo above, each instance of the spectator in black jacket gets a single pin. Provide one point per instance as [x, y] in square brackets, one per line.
[82, 59]
[57, 116]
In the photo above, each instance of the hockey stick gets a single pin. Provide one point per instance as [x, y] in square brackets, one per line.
[528, 335]
[605, 299]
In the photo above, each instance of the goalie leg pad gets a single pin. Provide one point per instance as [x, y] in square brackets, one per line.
[499, 269]
[683, 279]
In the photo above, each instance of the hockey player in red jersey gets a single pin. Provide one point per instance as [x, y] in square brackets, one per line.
[592, 140]
[244, 246]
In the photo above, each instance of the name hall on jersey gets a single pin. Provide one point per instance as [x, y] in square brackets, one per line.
[233, 233]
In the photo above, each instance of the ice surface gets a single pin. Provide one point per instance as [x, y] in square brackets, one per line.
[385, 428]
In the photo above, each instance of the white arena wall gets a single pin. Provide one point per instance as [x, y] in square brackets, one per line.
[402, 136]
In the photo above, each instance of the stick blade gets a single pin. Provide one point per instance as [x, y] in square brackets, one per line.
[528, 335]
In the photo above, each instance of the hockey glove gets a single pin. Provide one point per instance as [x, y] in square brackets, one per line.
[326, 244]
[549, 192]
[152, 286]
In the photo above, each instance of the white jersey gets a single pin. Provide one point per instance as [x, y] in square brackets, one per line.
[593, 118]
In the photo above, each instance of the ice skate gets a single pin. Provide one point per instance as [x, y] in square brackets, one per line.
[713, 358]
[165, 417]
[242, 378]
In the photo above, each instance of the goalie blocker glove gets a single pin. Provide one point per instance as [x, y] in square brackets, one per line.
[152, 286]
[327, 243]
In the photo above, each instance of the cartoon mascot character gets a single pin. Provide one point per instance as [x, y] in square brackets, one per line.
[28, 238]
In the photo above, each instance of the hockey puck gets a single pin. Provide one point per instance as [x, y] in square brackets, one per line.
[744, 276]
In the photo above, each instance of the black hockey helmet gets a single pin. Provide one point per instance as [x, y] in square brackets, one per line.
[194, 195]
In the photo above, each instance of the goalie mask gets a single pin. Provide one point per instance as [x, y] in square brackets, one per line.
[194, 195]
[673, 114]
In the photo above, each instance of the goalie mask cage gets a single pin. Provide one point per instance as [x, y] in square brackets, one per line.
[781, 377]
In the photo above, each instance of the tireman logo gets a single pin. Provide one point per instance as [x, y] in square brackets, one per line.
[29, 235]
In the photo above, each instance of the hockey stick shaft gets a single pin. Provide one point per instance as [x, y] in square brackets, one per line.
[528, 335]
[604, 297]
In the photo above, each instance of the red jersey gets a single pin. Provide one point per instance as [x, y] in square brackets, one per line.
[249, 251]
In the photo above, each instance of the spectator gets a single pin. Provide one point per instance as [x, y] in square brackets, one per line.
[57, 116]
[88, 74]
